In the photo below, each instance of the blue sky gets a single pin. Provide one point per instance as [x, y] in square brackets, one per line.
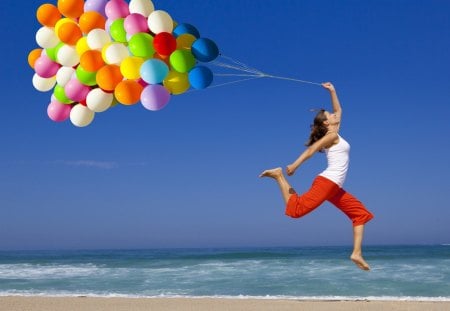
[187, 176]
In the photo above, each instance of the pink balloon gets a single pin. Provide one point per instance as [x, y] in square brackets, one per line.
[45, 67]
[58, 112]
[155, 97]
[135, 23]
[76, 91]
[116, 9]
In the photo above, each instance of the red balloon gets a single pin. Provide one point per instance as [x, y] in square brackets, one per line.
[164, 43]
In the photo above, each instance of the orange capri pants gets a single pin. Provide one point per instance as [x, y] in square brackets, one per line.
[323, 189]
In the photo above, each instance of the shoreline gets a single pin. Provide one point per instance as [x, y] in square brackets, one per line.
[32, 303]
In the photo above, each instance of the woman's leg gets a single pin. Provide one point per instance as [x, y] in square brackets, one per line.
[356, 257]
[277, 174]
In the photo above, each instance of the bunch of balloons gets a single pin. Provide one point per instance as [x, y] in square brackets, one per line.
[94, 54]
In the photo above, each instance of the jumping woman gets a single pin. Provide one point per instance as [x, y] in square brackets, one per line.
[327, 186]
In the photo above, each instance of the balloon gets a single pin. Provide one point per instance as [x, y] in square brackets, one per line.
[155, 97]
[96, 5]
[92, 60]
[164, 43]
[69, 33]
[98, 100]
[186, 29]
[143, 7]
[184, 41]
[52, 52]
[141, 45]
[128, 92]
[45, 67]
[33, 56]
[97, 38]
[82, 46]
[205, 50]
[160, 21]
[108, 77]
[153, 71]
[115, 53]
[48, 14]
[75, 90]
[86, 77]
[176, 82]
[135, 23]
[81, 116]
[117, 30]
[43, 84]
[46, 37]
[58, 112]
[182, 60]
[71, 8]
[60, 95]
[91, 20]
[131, 66]
[116, 9]
[64, 75]
[67, 56]
[200, 77]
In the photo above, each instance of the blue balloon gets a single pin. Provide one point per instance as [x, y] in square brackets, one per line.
[200, 77]
[186, 28]
[204, 50]
[154, 71]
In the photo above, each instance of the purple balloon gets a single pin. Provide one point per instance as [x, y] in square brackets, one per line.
[96, 5]
[155, 97]
[135, 23]
[115, 9]
[58, 112]
[45, 67]
[76, 91]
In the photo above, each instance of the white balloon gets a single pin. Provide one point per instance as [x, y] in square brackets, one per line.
[43, 84]
[68, 56]
[143, 7]
[115, 53]
[46, 37]
[97, 39]
[64, 75]
[81, 116]
[98, 100]
[160, 21]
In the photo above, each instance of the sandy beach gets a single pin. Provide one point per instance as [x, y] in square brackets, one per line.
[174, 304]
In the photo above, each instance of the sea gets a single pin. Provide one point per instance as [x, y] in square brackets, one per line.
[417, 273]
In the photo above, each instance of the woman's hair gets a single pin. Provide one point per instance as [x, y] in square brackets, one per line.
[318, 129]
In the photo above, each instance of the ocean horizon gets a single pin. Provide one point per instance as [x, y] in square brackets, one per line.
[398, 272]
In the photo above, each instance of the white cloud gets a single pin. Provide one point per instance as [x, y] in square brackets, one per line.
[105, 165]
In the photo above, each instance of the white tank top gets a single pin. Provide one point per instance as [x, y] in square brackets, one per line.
[338, 160]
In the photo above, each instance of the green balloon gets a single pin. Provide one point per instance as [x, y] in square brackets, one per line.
[86, 77]
[60, 95]
[117, 31]
[52, 52]
[141, 45]
[182, 60]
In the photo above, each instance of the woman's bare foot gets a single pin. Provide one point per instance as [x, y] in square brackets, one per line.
[273, 173]
[360, 262]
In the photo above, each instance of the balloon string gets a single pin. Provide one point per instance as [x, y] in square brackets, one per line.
[232, 82]
[291, 79]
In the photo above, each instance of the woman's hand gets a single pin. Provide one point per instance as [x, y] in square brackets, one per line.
[290, 169]
[328, 86]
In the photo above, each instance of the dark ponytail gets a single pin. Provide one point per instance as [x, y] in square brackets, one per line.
[318, 129]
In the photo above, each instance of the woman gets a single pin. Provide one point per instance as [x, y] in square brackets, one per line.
[327, 186]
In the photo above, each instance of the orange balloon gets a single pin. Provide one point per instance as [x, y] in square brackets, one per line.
[128, 92]
[33, 55]
[69, 33]
[71, 8]
[91, 20]
[48, 14]
[108, 77]
[92, 60]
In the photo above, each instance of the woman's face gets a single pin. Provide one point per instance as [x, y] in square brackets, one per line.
[331, 118]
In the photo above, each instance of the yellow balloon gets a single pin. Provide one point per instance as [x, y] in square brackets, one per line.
[177, 82]
[184, 41]
[63, 21]
[82, 46]
[131, 66]
[104, 48]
